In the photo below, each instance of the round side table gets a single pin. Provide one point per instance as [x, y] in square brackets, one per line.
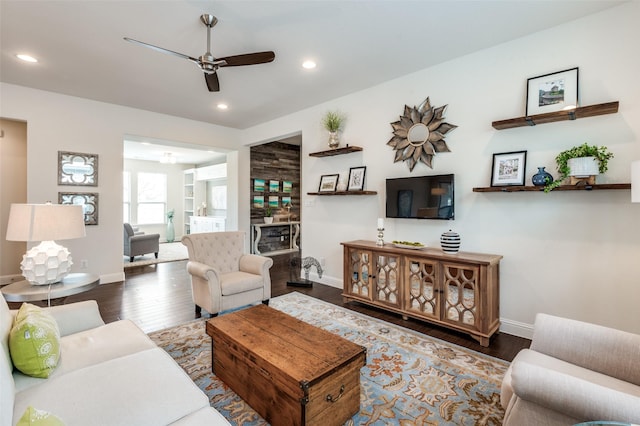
[22, 291]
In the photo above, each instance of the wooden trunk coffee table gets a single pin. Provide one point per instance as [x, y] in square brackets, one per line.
[290, 372]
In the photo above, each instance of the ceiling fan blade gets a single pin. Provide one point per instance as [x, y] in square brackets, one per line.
[213, 84]
[163, 50]
[248, 59]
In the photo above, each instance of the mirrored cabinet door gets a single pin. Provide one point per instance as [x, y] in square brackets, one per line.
[387, 279]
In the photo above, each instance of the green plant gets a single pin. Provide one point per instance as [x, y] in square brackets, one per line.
[333, 121]
[268, 212]
[601, 153]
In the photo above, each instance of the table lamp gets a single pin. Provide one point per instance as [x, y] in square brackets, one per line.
[48, 262]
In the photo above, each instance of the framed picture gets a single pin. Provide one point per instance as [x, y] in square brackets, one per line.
[356, 178]
[258, 185]
[287, 186]
[274, 186]
[508, 168]
[274, 201]
[286, 201]
[328, 183]
[76, 168]
[88, 201]
[258, 201]
[552, 92]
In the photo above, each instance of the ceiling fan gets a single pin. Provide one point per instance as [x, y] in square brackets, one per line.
[207, 62]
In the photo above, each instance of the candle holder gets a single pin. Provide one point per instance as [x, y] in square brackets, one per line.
[380, 240]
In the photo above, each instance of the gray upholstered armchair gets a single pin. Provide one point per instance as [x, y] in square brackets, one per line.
[574, 372]
[137, 244]
[223, 276]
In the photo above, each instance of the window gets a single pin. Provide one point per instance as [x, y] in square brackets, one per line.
[126, 197]
[152, 198]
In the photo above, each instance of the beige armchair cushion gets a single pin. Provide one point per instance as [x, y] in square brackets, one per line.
[574, 372]
[223, 276]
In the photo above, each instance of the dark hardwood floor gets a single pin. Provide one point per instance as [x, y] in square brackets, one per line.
[159, 296]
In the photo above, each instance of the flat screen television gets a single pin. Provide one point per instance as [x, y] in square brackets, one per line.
[421, 197]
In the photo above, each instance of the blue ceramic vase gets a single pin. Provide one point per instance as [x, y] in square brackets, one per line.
[542, 178]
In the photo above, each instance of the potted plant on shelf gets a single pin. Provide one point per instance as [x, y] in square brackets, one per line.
[582, 160]
[334, 121]
[268, 215]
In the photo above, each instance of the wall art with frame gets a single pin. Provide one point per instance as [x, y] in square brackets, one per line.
[328, 183]
[509, 168]
[77, 168]
[356, 178]
[552, 92]
[88, 201]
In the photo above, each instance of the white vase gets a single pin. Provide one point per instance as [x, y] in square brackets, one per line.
[583, 166]
[268, 219]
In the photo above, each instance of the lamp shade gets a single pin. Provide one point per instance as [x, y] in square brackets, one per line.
[45, 222]
[635, 181]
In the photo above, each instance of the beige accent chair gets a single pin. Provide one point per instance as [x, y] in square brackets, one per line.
[136, 243]
[574, 372]
[223, 276]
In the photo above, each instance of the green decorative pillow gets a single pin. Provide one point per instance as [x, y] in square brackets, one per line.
[33, 417]
[34, 341]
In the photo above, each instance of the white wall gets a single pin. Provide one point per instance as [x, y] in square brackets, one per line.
[57, 122]
[565, 253]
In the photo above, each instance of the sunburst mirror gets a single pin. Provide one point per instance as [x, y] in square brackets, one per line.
[419, 134]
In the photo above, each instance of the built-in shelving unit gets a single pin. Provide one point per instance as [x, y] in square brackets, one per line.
[550, 117]
[560, 188]
[338, 151]
[344, 193]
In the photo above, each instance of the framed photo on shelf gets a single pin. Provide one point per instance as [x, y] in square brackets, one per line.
[88, 201]
[274, 186]
[258, 185]
[356, 178]
[328, 183]
[552, 92]
[509, 168]
[77, 168]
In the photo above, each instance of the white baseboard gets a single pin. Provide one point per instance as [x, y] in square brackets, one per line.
[9, 279]
[516, 328]
[112, 278]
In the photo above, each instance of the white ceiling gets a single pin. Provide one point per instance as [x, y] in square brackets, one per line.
[357, 44]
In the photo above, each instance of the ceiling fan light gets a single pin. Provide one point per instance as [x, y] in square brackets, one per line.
[26, 58]
[168, 158]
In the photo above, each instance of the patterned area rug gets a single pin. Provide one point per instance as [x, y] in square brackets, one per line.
[169, 252]
[410, 379]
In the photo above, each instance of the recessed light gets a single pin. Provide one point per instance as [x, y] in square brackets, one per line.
[223, 106]
[308, 65]
[26, 58]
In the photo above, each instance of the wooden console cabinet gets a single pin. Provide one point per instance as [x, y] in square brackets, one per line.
[459, 291]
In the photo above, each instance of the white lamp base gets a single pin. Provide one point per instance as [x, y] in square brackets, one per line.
[46, 263]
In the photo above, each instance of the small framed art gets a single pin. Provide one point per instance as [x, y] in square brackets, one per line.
[356, 178]
[258, 185]
[274, 201]
[88, 201]
[287, 186]
[274, 186]
[258, 201]
[328, 183]
[552, 92]
[77, 168]
[508, 168]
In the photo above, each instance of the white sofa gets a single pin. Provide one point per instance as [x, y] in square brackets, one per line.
[574, 372]
[109, 374]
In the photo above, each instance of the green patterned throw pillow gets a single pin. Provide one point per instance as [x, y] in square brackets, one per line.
[33, 417]
[34, 341]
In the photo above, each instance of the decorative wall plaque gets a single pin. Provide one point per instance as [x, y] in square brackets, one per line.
[88, 201]
[419, 134]
[76, 168]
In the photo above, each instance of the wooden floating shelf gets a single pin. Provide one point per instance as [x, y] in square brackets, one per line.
[550, 117]
[338, 151]
[344, 193]
[560, 188]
